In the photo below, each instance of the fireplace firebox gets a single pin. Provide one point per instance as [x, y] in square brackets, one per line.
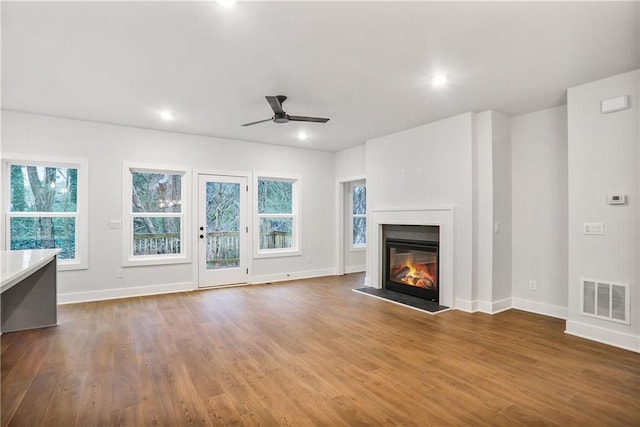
[411, 267]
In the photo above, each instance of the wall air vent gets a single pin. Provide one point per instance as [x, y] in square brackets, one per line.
[605, 300]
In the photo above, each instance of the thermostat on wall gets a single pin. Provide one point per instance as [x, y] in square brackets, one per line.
[617, 199]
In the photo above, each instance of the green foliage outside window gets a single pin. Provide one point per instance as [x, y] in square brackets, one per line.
[275, 209]
[156, 192]
[156, 198]
[223, 207]
[43, 191]
[275, 197]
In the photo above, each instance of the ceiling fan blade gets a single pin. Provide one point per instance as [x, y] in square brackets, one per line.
[259, 121]
[276, 103]
[307, 119]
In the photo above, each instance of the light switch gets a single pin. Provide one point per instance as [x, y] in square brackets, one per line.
[593, 228]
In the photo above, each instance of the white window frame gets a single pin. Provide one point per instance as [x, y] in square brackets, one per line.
[354, 247]
[130, 260]
[295, 248]
[80, 262]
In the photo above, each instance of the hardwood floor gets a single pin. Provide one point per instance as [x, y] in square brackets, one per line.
[309, 352]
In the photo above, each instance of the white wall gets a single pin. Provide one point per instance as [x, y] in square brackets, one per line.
[603, 158]
[539, 211]
[502, 216]
[482, 208]
[107, 146]
[349, 165]
[428, 166]
[492, 212]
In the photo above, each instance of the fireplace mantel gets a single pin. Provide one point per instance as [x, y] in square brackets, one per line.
[439, 216]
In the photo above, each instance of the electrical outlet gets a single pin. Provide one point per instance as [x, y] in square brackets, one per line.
[532, 285]
[120, 274]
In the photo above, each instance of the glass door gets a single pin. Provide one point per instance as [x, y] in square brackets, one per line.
[222, 230]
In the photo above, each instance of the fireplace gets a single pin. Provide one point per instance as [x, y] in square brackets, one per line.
[411, 267]
[434, 224]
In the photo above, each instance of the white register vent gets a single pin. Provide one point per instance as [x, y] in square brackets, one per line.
[605, 300]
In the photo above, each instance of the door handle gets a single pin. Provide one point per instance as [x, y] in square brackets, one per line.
[201, 228]
[202, 236]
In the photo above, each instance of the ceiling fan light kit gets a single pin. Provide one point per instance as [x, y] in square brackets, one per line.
[280, 116]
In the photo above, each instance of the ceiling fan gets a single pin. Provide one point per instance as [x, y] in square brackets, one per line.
[279, 115]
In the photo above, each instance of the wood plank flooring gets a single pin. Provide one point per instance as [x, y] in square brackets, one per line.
[309, 352]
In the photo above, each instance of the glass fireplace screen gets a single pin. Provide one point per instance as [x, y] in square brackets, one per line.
[413, 266]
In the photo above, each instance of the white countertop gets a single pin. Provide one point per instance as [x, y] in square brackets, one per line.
[16, 265]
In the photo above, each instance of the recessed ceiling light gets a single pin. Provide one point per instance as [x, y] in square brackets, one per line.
[439, 80]
[302, 136]
[226, 3]
[166, 115]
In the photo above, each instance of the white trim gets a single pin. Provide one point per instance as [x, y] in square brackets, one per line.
[480, 306]
[296, 244]
[107, 294]
[358, 268]
[494, 307]
[603, 335]
[207, 277]
[540, 308]
[81, 262]
[501, 305]
[294, 275]
[466, 305]
[128, 259]
[340, 219]
[195, 212]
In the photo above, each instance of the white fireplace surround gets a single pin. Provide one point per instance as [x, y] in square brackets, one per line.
[441, 216]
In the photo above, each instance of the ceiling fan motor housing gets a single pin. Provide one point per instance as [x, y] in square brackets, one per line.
[280, 118]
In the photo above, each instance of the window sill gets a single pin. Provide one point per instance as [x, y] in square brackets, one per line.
[362, 248]
[277, 253]
[156, 260]
[71, 266]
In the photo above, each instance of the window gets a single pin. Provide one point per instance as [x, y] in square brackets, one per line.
[359, 215]
[155, 219]
[277, 216]
[47, 207]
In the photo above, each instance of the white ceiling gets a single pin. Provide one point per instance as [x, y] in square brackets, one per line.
[366, 65]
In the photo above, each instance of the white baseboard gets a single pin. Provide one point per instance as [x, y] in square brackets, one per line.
[540, 308]
[603, 335]
[466, 305]
[354, 268]
[367, 281]
[107, 294]
[494, 307]
[488, 307]
[295, 275]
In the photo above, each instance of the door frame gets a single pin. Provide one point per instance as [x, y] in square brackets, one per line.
[341, 186]
[195, 270]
